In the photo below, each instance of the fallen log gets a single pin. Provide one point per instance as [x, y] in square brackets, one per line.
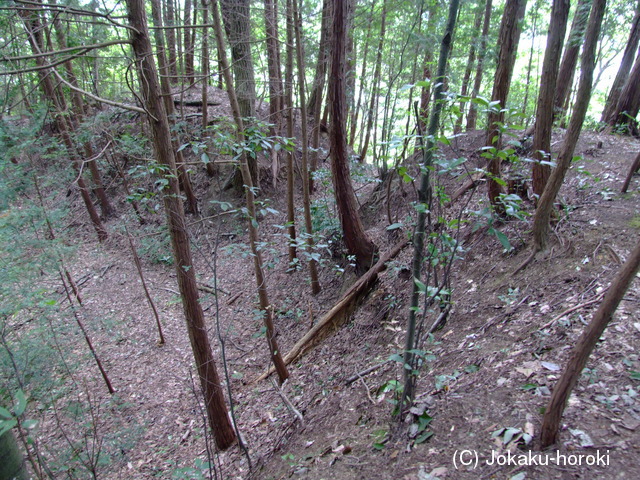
[635, 166]
[361, 287]
[194, 103]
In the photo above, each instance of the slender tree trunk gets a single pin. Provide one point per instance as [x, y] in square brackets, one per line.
[33, 27]
[170, 21]
[210, 381]
[189, 53]
[545, 206]
[527, 82]
[584, 346]
[623, 70]
[375, 84]
[425, 92]
[276, 94]
[183, 175]
[355, 238]
[78, 103]
[477, 25]
[425, 199]
[508, 41]
[472, 116]
[306, 184]
[291, 216]
[544, 111]
[315, 97]
[362, 80]
[266, 308]
[204, 55]
[570, 55]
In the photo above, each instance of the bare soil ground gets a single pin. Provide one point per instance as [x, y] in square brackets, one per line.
[494, 363]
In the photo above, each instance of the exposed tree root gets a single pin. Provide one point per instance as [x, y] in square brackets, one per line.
[337, 313]
[529, 259]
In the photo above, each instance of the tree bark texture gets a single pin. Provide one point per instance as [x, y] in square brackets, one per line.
[509, 38]
[544, 111]
[237, 24]
[170, 21]
[545, 206]
[355, 238]
[626, 110]
[585, 345]
[570, 55]
[209, 379]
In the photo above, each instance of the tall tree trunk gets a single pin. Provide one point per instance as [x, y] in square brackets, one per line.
[355, 238]
[510, 29]
[183, 175]
[544, 111]
[623, 70]
[477, 24]
[375, 84]
[362, 79]
[545, 206]
[472, 116]
[205, 75]
[236, 19]
[276, 93]
[306, 174]
[315, 97]
[170, 23]
[291, 215]
[209, 379]
[266, 309]
[570, 56]
[425, 92]
[189, 53]
[425, 199]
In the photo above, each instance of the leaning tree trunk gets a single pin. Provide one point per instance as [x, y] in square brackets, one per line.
[543, 212]
[509, 37]
[628, 104]
[570, 56]
[217, 413]
[170, 32]
[584, 346]
[33, 27]
[355, 238]
[544, 112]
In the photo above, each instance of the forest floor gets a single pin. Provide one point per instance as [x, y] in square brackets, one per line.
[494, 363]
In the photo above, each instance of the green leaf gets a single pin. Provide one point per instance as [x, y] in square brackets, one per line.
[205, 158]
[7, 425]
[395, 226]
[634, 375]
[29, 424]
[504, 240]
[21, 403]
[423, 437]
[422, 288]
[6, 414]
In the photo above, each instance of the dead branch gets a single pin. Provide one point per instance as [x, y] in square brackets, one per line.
[362, 285]
[573, 309]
